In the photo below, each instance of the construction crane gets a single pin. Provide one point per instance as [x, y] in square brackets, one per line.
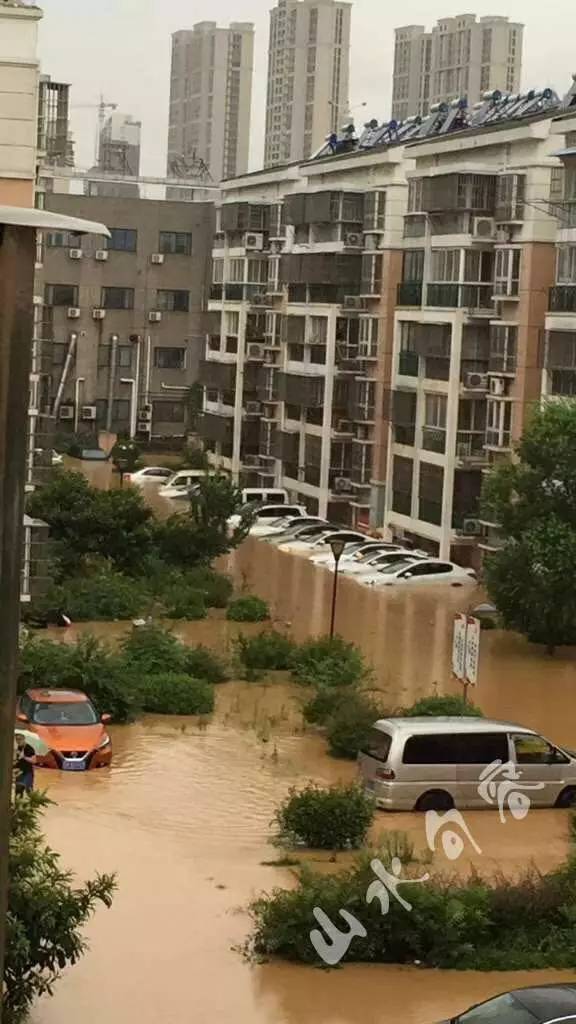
[101, 107]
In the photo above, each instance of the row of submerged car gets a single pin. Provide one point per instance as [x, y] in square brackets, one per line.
[371, 562]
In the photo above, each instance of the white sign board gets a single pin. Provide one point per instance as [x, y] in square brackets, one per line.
[472, 650]
[459, 647]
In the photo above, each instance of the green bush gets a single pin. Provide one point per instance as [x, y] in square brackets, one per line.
[248, 609]
[325, 819]
[203, 664]
[349, 727]
[104, 597]
[172, 694]
[88, 665]
[46, 915]
[185, 603]
[150, 649]
[269, 651]
[216, 588]
[325, 702]
[447, 705]
[455, 923]
[328, 662]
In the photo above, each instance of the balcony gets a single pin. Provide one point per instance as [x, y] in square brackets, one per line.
[563, 298]
[470, 446]
[216, 292]
[363, 412]
[217, 375]
[498, 439]
[434, 440]
[451, 295]
[409, 293]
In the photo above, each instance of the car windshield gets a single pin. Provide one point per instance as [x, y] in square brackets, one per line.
[502, 1010]
[59, 713]
[369, 553]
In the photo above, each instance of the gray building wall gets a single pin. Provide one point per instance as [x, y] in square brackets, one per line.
[126, 344]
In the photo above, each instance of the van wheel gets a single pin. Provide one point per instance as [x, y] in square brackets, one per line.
[435, 800]
[567, 797]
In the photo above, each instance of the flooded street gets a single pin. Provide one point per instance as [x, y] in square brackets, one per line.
[184, 814]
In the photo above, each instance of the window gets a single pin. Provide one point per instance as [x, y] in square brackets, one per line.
[445, 265]
[63, 240]
[232, 322]
[168, 412]
[532, 750]
[413, 265]
[566, 273]
[173, 301]
[218, 271]
[117, 298]
[124, 357]
[502, 1010]
[177, 243]
[170, 358]
[61, 295]
[122, 240]
[236, 271]
[435, 411]
[432, 749]
[483, 748]
[507, 274]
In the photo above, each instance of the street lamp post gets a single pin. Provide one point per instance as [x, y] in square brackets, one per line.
[337, 548]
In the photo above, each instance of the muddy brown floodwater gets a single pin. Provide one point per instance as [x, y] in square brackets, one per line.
[183, 818]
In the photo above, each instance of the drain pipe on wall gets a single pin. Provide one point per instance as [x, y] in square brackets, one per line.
[111, 380]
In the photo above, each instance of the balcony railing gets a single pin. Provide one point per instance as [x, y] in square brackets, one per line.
[470, 445]
[563, 298]
[409, 293]
[434, 439]
[498, 438]
[463, 296]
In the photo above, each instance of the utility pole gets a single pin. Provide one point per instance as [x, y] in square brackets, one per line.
[17, 256]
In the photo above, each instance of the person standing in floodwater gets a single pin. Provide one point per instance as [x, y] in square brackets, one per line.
[25, 761]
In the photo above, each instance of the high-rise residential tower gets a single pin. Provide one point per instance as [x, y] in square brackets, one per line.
[308, 76]
[459, 57]
[210, 100]
[119, 145]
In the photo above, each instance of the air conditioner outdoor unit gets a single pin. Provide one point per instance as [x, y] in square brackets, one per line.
[472, 527]
[144, 427]
[73, 313]
[483, 227]
[342, 484]
[157, 258]
[256, 351]
[353, 239]
[476, 381]
[66, 412]
[88, 412]
[101, 255]
[253, 408]
[145, 415]
[98, 314]
[155, 316]
[75, 254]
[254, 241]
[497, 386]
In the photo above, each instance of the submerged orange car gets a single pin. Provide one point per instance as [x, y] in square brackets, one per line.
[68, 724]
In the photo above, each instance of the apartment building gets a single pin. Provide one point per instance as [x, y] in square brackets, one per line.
[459, 57]
[308, 76]
[54, 144]
[559, 363]
[19, 77]
[125, 315]
[479, 259]
[306, 263]
[211, 99]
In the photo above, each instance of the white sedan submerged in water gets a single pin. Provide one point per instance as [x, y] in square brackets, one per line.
[418, 571]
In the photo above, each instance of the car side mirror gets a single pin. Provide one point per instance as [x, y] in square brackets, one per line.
[105, 719]
[22, 717]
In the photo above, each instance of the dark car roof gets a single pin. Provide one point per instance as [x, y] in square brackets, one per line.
[546, 1001]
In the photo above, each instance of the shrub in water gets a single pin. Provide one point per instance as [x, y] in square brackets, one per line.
[173, 694]
[449, 705]
[325, 703]
[203, 664]
[185, 603]
[248, 609]
[216, 588]
[349, 727]
[100, 598]
[328, 662]
[325, 819]
[151, 649]
[269, 651]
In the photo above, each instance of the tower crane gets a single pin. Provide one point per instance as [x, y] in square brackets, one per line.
[102, 106]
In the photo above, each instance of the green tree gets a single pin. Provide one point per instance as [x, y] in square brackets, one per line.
[203, 534]
[46, 913]
[531, 578]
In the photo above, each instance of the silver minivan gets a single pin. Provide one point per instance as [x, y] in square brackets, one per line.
[427, 764]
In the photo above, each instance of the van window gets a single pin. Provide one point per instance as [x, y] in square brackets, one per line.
[435, 748]
[275, 496]
[377, 745]
[532, 750]
[484, 747]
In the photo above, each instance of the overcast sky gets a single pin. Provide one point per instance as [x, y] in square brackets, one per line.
[122, 49]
